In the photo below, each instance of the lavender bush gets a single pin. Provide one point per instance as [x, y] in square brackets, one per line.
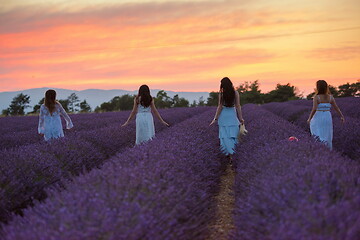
[292, 190]
[159, 190]
[26, 171]
[348, 105]
[346, 136]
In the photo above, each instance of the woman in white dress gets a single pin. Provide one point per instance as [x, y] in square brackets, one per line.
[320, 119]
[49, 119]
[143, 106]
[229, 114]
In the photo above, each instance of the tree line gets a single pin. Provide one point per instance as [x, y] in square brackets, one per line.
[126, 102]
[249, 93]
[20, 103]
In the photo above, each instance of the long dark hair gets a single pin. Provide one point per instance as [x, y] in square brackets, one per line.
[50, 96]
[228, 92]
[144, 96]
[322, 87]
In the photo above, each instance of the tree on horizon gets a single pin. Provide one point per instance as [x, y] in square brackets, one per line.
[18, 105]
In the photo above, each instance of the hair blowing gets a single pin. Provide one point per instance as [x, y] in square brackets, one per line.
[322, 87]
[144, 95]
[228, 92]
[50, 96]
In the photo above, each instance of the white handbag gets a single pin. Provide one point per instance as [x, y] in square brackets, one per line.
[242, 131]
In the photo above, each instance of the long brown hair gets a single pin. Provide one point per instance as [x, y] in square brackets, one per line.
[322, 87]
[50, 96]
[228, 92]
[144, 95]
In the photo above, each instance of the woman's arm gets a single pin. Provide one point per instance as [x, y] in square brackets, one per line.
[132, 114]
[63, 113]
[41, 127]
[337, 109]
[238, 107]
[218, 110]
[157, 114]
[315, 103]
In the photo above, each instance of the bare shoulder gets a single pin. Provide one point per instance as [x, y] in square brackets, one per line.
[58, 104]
[315, 98]
[332, 99]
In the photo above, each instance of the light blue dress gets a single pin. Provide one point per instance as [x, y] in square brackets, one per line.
[50, 123]
[145, 129]
[229, 127]
[321, 125]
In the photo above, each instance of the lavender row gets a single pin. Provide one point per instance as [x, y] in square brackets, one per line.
[348, 105]
[160, 190]
[26, 171]
[25, 130]
[346, 136]
[292, 190]
[11, 125]
[15, 137]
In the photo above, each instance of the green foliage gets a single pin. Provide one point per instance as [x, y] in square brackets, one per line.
[250, 93]
[162, 100]
[281, 93]
[179, 102]
[213, 99]
[36, 108]
[125, 102]
[65, 104]
[18, 105]
[349, 90]
[201, 102]
[85, 107]
[344, 90]
[74, 103]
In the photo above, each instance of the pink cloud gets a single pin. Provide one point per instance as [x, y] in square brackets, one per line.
[336, 54]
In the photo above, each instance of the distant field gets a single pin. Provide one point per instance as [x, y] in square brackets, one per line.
[94, 184]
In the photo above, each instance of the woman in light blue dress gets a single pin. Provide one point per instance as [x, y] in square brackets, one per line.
[49, 119]
[320, 119]
[228, 114]
[143, 106]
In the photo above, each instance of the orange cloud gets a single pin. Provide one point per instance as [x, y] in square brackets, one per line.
[168, 44]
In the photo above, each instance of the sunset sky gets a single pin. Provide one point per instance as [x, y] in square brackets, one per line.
[177, 45]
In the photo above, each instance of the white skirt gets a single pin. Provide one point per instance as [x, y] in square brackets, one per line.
[321, 127]
[145, 129]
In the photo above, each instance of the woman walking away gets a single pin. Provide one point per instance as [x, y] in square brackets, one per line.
[320, 119]
[228, 114]
[49, 119]
[143, 105]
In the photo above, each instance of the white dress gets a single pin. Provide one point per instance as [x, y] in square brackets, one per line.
[321, 125]
[50, 124]
[145, 129]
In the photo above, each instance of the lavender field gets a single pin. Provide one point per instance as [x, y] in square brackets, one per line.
[94, 184]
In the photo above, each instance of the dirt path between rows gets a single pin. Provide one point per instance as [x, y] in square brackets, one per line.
[225, 201]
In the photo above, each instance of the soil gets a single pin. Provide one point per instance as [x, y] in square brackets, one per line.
[225, 201]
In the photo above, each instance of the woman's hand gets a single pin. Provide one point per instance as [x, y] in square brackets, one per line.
[242, 121]
[212, 122]
[308, 121]
[165, 123]
[342, 119]
[41, 134]
[126, 123]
